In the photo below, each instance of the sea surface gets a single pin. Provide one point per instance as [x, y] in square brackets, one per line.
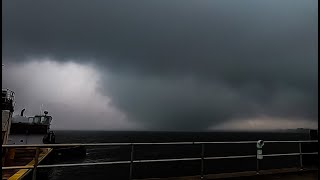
[169, 169]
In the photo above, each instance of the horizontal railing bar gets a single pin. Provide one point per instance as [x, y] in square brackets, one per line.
[65, 145]
[305, 141]
[166, 143]
[230, 157]
[227, 142]
[65, 165]
[311, 153]
[287, 154]
[100, 163]
[160, 143]
[83, 164]
[17, 167]
[166, 160]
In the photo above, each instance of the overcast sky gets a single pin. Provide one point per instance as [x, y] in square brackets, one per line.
[164, 65]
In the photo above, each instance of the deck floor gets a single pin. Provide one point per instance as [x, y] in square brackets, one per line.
[22, 157]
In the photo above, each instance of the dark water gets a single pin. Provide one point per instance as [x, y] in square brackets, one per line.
[166, 169]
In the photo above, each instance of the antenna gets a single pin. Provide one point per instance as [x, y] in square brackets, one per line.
[41, 107]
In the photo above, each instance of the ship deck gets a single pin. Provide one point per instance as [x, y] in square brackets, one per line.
[23, 157]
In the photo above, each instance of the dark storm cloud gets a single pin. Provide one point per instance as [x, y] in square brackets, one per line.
[181, 64]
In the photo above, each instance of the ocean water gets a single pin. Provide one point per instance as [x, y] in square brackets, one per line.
[169, 169]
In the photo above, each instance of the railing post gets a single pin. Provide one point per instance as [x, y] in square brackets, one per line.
[131, 162]
[36, 158]
[202, 161]
[260, 144]
[300, 151]
[257, 166]
[257, 163]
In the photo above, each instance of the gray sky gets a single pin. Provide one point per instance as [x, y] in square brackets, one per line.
[164, 65]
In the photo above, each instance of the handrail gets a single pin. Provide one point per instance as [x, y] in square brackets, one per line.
[156, 143]
[132, 161]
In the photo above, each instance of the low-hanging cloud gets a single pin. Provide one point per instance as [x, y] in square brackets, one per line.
[180, 65]
[68, 91]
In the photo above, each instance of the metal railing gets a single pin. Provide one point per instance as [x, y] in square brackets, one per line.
[132, 161]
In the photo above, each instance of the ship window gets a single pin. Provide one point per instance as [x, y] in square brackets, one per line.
[48, 119]
[42, 120]
[30, 119]
[21, 140]
[37, 120]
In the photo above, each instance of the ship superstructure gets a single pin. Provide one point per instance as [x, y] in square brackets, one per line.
[31, 130]
[22, 130]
